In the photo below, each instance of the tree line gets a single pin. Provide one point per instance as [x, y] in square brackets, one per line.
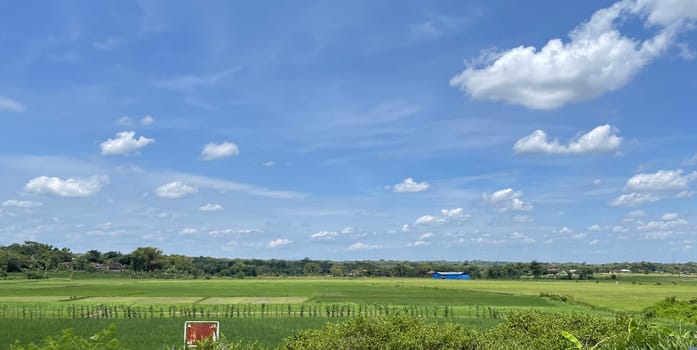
[36, 259]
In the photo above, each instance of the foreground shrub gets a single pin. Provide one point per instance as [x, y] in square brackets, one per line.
[104, 340]
[521, 330]
[672, 308]
[385, 332]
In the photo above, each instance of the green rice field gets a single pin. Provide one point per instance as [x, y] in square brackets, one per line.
[149, 311]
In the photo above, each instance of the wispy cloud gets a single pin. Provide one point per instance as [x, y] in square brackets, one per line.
[11, 105]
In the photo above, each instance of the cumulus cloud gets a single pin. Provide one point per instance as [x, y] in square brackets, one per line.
[409, 185]
[125, 143]
[21, 204]
[175, 189]
[11, 105]
[71, 187]
[646, 188]
[602, 139]
[597, 59]
[406, 228]
[446, 216]
[507, 199]
[363, 246]
[269, 163]
[219, 150]
[211, 207]
[279, 242]
[669, 221]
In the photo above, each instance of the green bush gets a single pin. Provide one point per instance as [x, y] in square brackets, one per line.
[384, 332]
[104, 340]
[521, 330]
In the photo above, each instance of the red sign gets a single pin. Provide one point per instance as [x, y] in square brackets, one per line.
[199, 330]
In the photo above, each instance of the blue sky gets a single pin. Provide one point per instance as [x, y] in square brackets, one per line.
[443, 130]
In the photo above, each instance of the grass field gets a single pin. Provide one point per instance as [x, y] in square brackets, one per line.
[260, 309]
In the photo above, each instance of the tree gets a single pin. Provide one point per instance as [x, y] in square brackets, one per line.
[536, 268]
[312, 268]
[146, 259]
[337, 270]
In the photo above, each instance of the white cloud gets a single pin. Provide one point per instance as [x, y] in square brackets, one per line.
[406, 228]
[347, 230]
[619, 229]
[646, 188]
[596, 60]
[663, 180]
[229, 231]
[602, 139]
[175, 189]
[565, 230]
[11, 105]
[425, 220]
[363, 246]
[188, 231]
[419, 244]
[669, 216]
[634, 199]
[224, 185]
[279, 242]
[425, 236]
[669, 221]
[21, 204]
[519, 237]
[597, 182]
[124, 143]
[215, 151]
[147, 120]
[269, 163]
[211, 207]
[324, 235]
[507, 199]
[409, 185]
[71, 187]
[446, 216]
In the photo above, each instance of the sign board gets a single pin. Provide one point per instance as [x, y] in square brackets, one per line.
[199, 330]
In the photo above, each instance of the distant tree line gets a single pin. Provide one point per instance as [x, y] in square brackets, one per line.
[36, 259]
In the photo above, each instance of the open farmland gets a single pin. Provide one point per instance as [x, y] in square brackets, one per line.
[32, 309]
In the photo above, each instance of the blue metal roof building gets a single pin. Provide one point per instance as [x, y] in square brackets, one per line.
[450, 275]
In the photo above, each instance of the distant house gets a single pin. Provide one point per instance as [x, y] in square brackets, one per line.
[450, 275]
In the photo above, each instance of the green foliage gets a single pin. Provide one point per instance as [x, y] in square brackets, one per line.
[385, 332]
[672, 308]
[522, 330]
[103, 340]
